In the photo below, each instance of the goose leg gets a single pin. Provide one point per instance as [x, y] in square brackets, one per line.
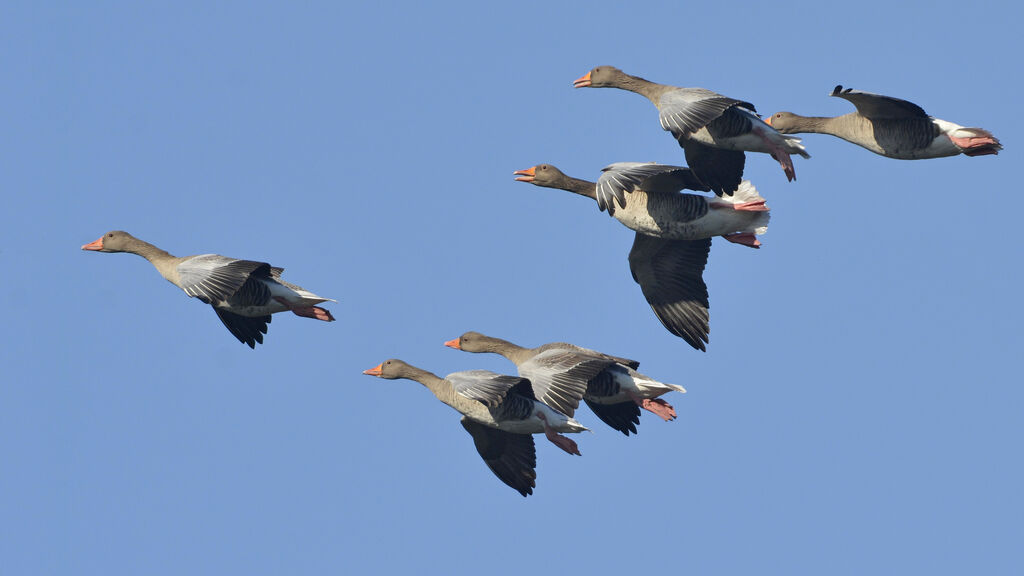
[557, 439]
[656, 405]
[315, 312]
[779, 153]
[785, 161]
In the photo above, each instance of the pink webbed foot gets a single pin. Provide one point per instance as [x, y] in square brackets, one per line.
[557, 439]
[744, 238]
[786, 162]
[659, 407]
[314, 312]
[977, 145]
[656, 405]
[562, 442]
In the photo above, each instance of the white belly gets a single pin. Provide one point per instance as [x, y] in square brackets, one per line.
[717, 222]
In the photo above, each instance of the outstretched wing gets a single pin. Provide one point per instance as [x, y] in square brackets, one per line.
[622, 177]
[213, 278]
[683, 111]
[565, 345]
[560, 376]
[512, 457]
[877, 107]
[484, 386]
[670, 274]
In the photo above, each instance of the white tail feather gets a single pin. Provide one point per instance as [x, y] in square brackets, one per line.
[652, 383]
[964, 132]
[743, 194]
[746, 193]
[675, 387]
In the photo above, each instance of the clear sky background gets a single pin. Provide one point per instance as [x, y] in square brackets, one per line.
[858, 410]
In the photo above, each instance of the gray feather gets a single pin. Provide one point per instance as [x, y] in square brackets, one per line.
[876, 106]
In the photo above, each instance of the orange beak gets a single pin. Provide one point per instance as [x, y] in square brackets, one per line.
[376, 370]
[582, 81]
[768, 120]
[453, 344]
[95, 245]
[525, 175]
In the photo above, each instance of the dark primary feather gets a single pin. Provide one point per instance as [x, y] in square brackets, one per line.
[511, 457]
[248, 330]
[623, 416]
[718, 169]
[670, 274]
[874, 106]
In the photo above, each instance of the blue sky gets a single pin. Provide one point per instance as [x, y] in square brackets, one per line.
[858, 409]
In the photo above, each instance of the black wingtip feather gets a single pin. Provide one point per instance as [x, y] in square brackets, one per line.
[512, 458]
[623, 417]
[248, 330]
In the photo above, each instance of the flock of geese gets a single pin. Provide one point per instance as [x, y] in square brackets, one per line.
[669, 253]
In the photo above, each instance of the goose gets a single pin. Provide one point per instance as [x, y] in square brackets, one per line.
[891, 127]
[673, 232]
[500, 412]
[243, 293]
[615, 394]
[713, 130]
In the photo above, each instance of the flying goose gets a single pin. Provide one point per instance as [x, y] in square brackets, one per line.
[243, 293]
[500, 412]
[891, 127]
[615, 394]
[713, 130]
[673, 232]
